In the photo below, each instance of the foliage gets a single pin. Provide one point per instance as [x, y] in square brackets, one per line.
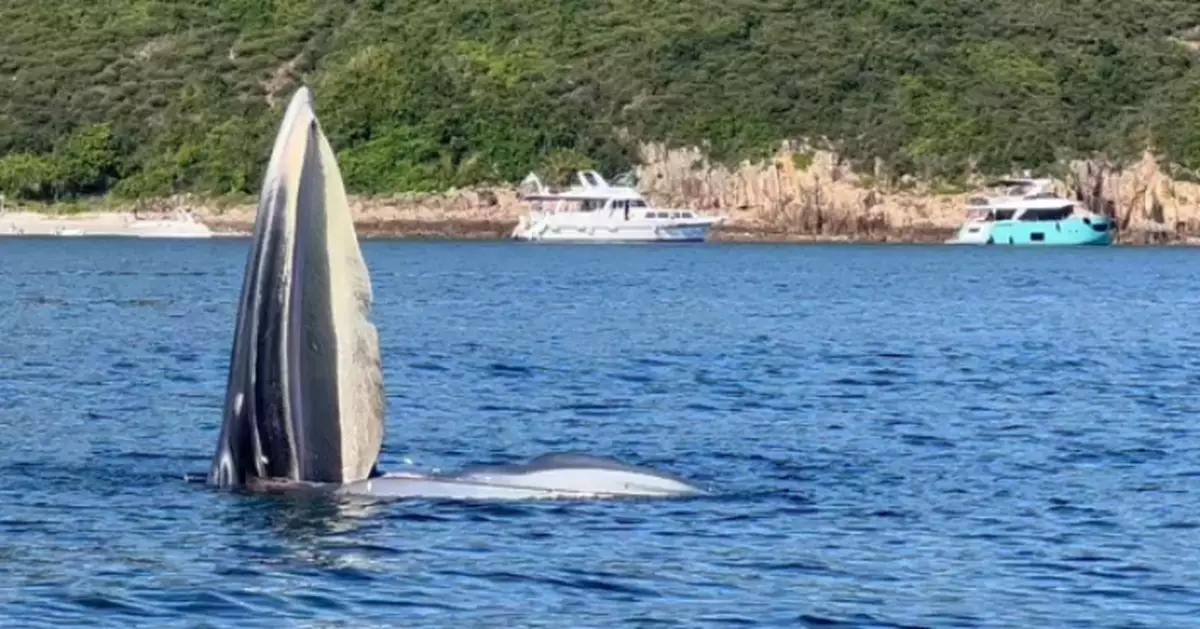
[150, 97]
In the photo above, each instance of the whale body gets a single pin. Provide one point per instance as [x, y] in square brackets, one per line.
[304, 402]
[547, 476]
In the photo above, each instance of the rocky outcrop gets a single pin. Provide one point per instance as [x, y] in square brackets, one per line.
[799, 194]
[1150, 205]
[814, 193]
[475, 214]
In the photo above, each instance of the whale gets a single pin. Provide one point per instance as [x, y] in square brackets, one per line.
[305, 401]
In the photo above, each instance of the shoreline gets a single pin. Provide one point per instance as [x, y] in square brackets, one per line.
[498, 230]
[741, 233]
[240, 225]
[819, 199]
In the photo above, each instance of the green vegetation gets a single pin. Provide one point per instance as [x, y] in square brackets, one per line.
[149, 97]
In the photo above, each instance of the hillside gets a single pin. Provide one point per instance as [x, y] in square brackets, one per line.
[144, 98]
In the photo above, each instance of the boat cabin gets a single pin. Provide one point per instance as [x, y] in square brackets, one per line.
[594, 194]
[1044, 213]
[597, 211]
[627, 207]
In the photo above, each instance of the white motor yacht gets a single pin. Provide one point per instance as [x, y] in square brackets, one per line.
[595, 211]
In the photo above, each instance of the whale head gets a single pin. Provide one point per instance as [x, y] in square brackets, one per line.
[304, 400]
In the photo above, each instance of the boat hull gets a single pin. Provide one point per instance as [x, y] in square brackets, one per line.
[631, 233]
[1068, 232]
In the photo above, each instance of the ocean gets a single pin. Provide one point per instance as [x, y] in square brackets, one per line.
[894, 436]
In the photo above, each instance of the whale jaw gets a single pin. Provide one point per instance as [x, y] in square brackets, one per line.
[304, 399]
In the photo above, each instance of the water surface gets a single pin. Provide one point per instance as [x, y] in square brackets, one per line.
[897, 437]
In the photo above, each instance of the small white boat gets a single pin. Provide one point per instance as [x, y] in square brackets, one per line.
[594, 211]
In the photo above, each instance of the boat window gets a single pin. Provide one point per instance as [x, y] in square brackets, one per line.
[1004, 215]
[688, 215]
[1037, 236]
[1052, 214]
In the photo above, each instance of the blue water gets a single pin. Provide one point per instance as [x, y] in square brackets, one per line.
[896, 436]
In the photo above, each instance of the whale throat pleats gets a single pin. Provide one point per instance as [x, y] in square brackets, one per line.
[336, 384]
[305, 399]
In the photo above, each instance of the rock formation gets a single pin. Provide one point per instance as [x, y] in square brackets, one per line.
[814, 193]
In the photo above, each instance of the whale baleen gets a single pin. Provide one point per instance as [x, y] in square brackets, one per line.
[304, 403]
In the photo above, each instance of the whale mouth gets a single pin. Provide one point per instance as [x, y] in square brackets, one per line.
[304, 400]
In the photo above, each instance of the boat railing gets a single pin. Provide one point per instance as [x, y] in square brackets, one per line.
[591, 179]
[588, 182]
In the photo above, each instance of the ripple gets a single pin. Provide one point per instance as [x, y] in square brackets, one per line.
[895, 439]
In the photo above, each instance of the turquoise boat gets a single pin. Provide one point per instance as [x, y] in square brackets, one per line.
[1030, 214]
